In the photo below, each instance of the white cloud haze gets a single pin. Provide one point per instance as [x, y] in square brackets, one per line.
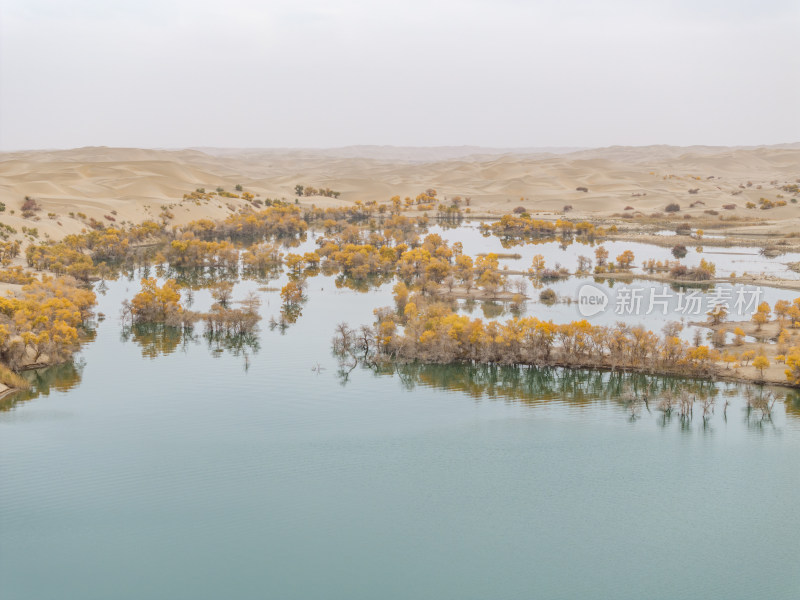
[240, 73]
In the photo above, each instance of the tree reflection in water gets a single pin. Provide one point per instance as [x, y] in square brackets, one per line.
[60, 378]
[156, 339]
[689, 402]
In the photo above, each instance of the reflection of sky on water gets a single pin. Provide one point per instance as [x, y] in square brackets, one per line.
[567, 309]
[620, 293]
[735, 259]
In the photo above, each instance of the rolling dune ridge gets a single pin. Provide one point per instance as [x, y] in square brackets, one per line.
[137, 183]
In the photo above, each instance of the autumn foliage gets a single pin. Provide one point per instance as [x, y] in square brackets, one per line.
[432, 332]
[157, 304]
[43, 323]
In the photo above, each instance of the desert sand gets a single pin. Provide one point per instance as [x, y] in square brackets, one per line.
[131, 185]
[127, 185]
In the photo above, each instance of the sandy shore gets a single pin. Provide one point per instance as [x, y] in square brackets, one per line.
[119, 185]
[711, 185]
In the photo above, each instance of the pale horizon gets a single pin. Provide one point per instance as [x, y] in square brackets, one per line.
[246, 74]
[480, 148]
[359, 299]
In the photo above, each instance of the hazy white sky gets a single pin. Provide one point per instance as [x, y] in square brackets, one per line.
[274, 73]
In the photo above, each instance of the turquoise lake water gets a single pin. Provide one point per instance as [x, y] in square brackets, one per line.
[263, 473]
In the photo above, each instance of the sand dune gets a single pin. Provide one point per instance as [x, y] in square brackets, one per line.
[136, 183]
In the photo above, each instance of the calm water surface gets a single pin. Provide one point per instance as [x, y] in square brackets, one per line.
[730, 259]
[203, 474]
